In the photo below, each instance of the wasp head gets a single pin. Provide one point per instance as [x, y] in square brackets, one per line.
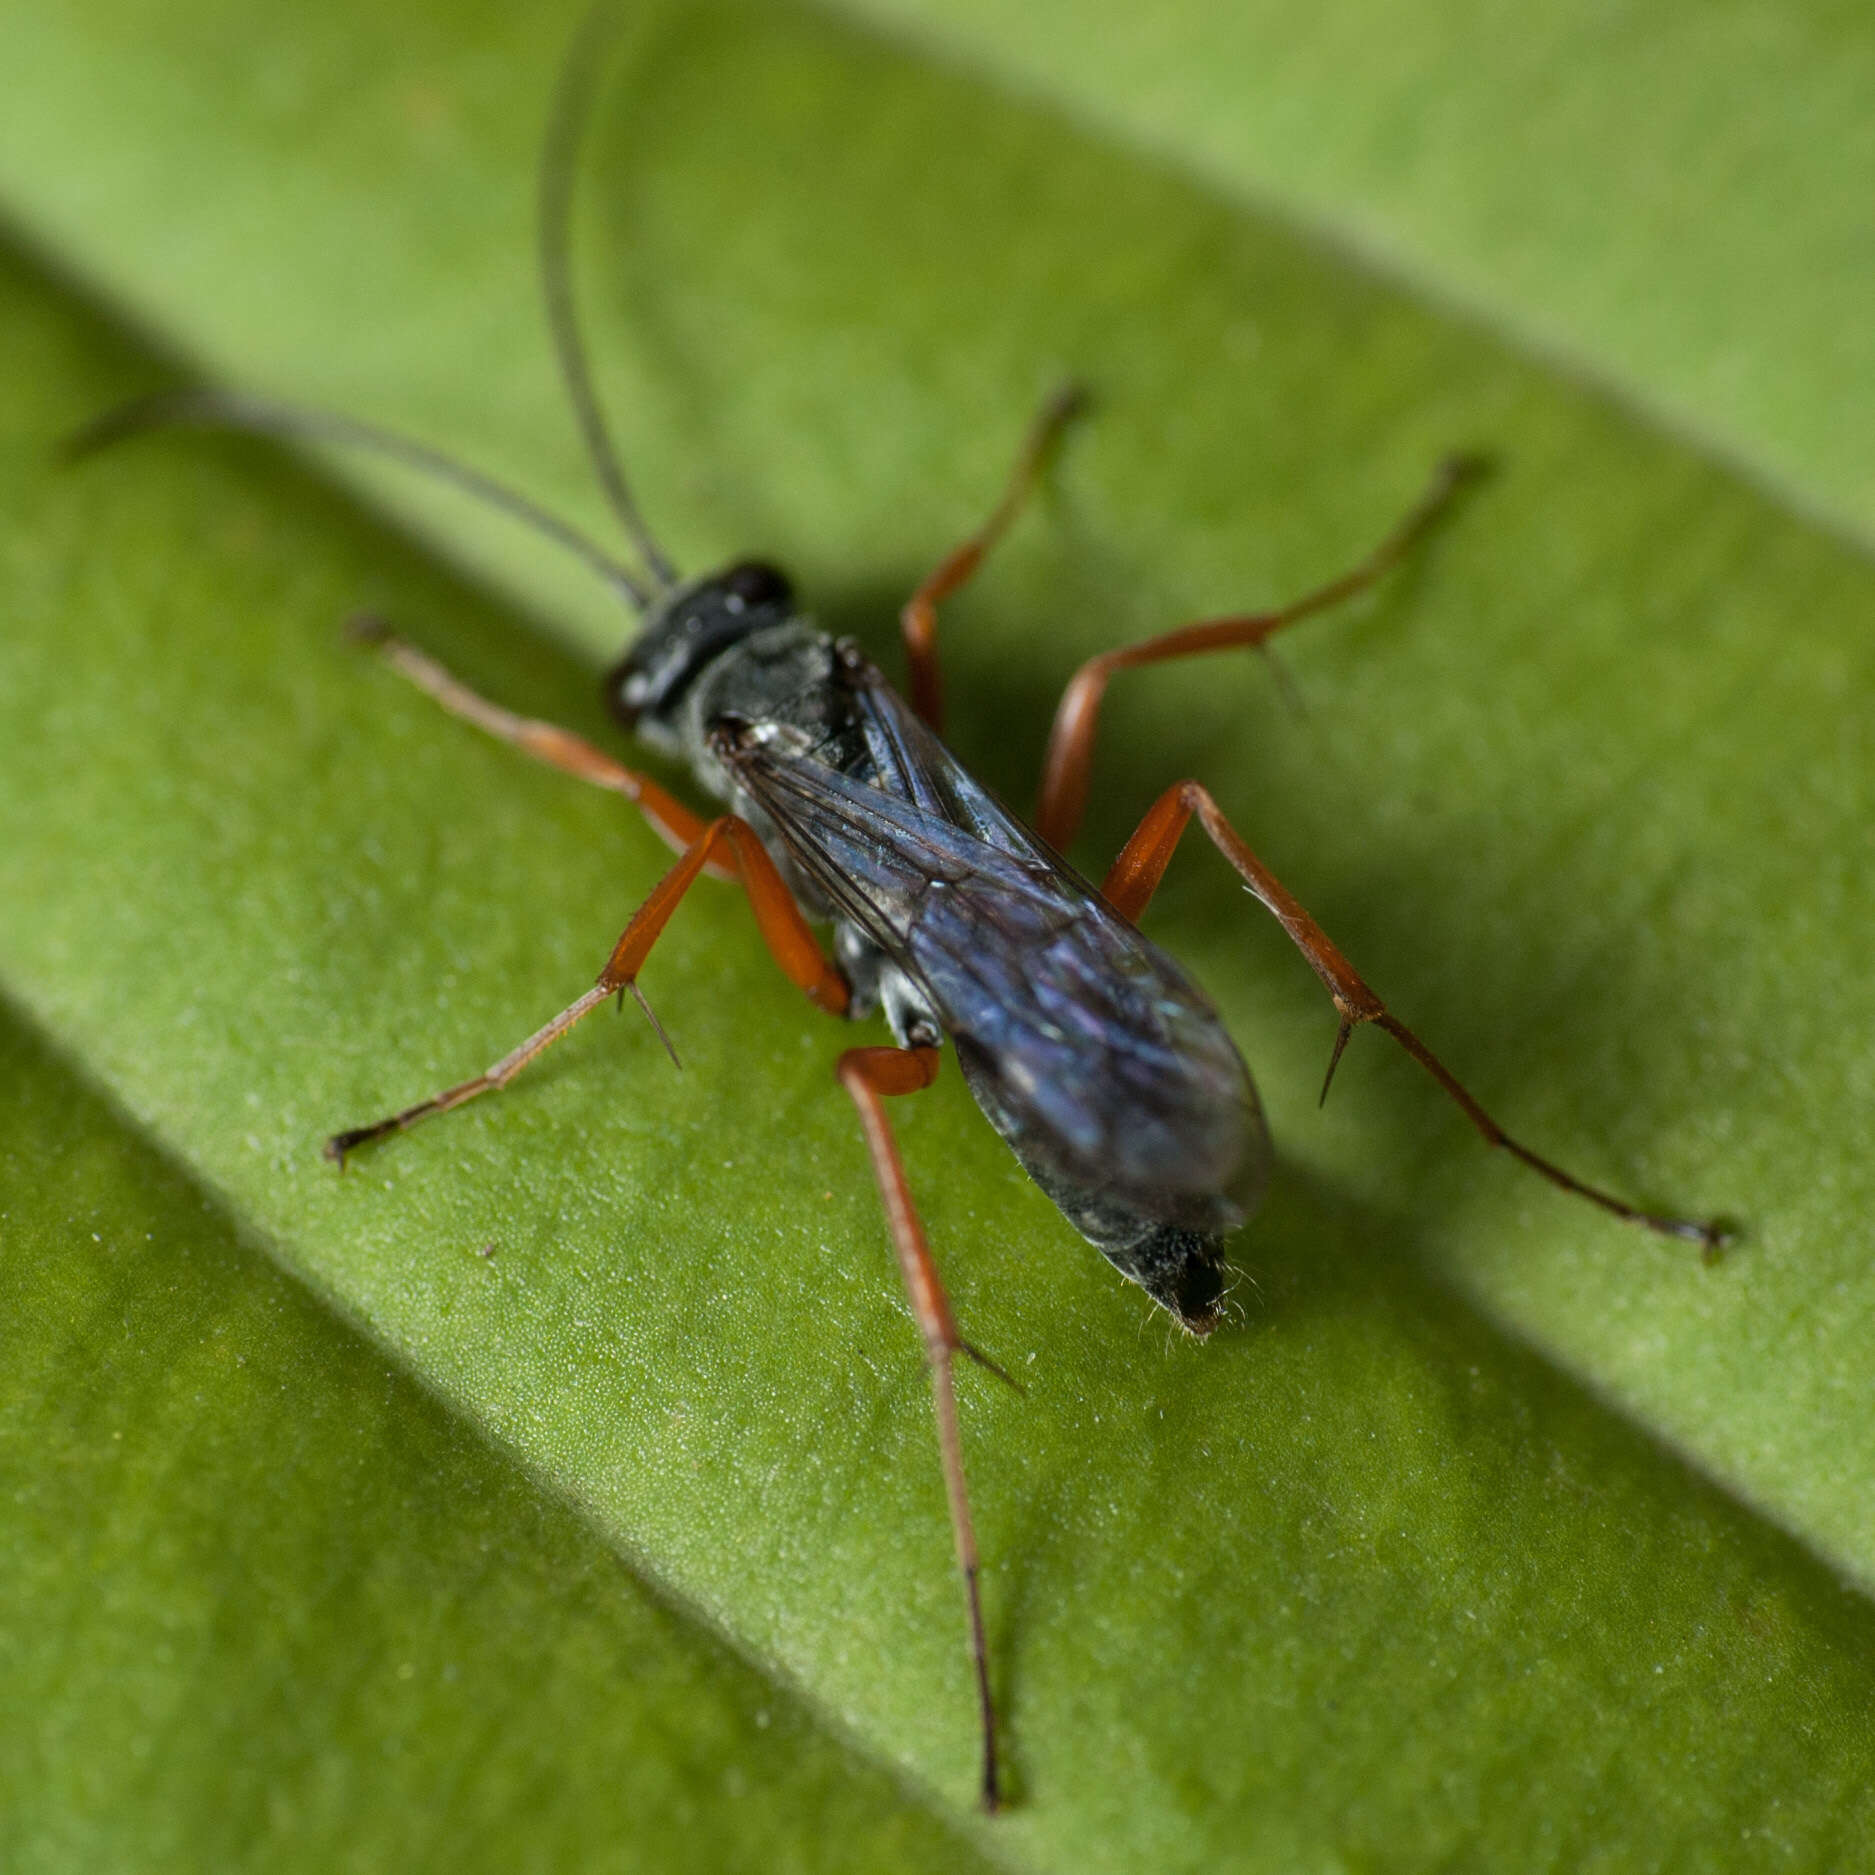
[687, 631]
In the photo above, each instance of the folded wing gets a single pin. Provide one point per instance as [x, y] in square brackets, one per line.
[1088, 1047]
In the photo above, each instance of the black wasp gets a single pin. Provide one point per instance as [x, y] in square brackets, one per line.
[1104, 1068]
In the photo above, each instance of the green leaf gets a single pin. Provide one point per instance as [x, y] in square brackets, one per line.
[396, 1649]
[1403, 1569]
[1672, 199]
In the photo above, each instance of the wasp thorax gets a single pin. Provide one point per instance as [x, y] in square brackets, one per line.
[731, 734]
[688, 631]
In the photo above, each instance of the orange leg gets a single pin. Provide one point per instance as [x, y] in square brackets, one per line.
[559, 748]
[783, 928]
[918, 620]
[1070, 756]
[870, 1076]
[1135, 877]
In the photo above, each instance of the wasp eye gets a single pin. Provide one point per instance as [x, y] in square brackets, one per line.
[755, 582]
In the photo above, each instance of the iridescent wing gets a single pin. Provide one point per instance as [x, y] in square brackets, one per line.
[1087, 1046]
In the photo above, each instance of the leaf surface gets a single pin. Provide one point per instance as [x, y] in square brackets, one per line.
[1406, 1568]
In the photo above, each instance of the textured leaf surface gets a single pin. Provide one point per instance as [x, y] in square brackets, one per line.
[269, 1605]
[1401, 1570]
[1673, 198]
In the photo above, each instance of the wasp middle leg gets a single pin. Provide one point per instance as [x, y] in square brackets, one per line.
[791, 943]
[1070, 757]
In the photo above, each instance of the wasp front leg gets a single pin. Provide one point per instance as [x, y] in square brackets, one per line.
[675, 824]
[918, 619]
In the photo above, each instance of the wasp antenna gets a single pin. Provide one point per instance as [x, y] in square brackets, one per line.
[571, 112]
[228, 410]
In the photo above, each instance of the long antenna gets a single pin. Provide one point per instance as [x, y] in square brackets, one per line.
[227, 410]
[572, 111]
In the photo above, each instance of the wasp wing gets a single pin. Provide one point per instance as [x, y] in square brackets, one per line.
[1097, 1058]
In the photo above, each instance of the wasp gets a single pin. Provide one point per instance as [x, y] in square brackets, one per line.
[1103, 1067]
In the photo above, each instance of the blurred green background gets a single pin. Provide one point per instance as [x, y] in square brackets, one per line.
[558, 1489]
